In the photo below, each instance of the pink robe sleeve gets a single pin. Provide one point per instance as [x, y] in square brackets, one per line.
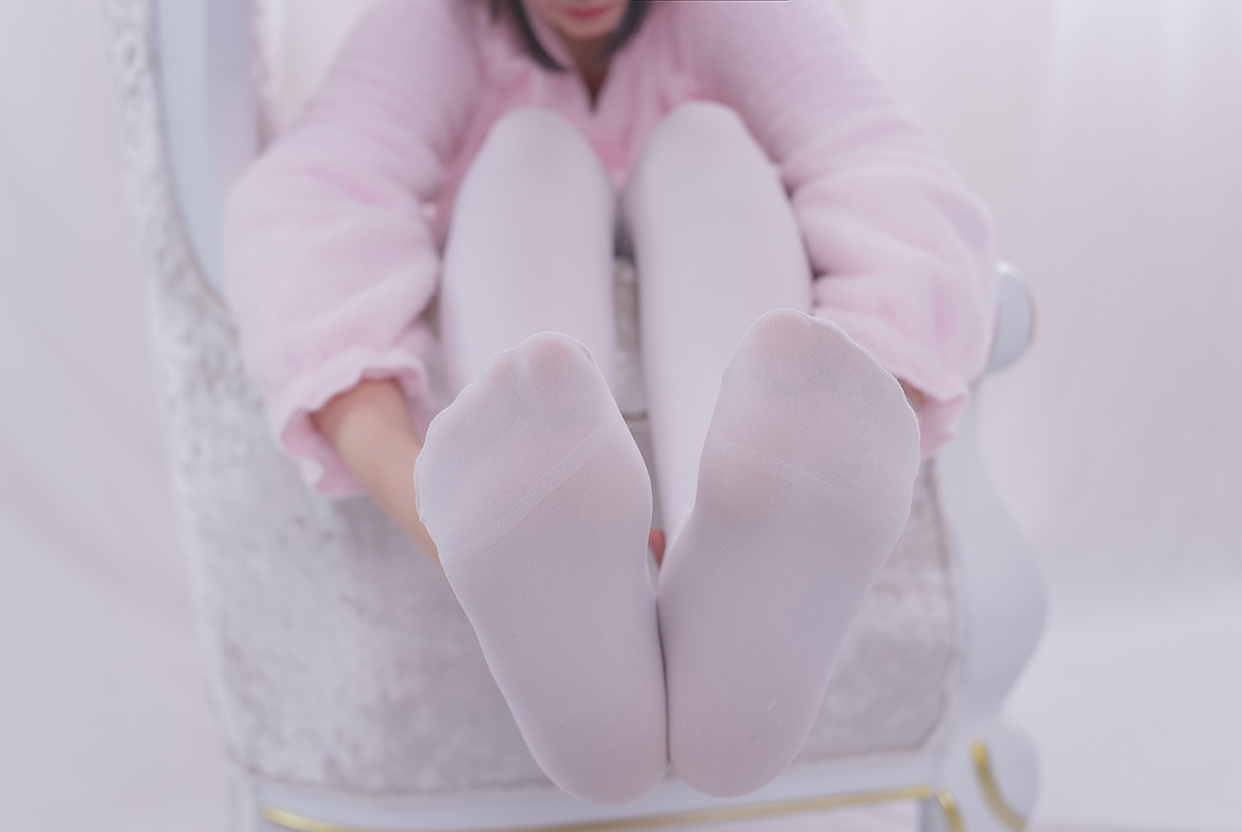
[902, 252]
[330, 262]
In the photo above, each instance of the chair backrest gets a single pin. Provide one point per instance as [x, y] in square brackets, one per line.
[208, 66]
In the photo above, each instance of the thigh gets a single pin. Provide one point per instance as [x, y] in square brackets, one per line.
[716, 246]
[530, 246]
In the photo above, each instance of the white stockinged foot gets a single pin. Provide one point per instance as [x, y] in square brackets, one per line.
[987, 782]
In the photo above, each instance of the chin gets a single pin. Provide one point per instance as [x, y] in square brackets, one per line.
[599, 27]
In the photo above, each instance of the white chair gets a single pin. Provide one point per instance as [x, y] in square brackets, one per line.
[349, 687]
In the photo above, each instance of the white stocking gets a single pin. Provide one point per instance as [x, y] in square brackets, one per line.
[530, 483]
[804, 484]
[530, 247]
[716, 246]
[539, 503]
[803, 490]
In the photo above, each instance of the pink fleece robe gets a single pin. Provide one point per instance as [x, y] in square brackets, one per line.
[332, 237]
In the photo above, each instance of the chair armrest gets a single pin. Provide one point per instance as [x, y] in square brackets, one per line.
[1003, 594]
[1015, 320]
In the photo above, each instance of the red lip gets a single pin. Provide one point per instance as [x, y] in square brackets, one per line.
[589, 13]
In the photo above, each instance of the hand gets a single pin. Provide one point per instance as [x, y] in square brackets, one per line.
[913, 395]
[656, 543]
[369, 425]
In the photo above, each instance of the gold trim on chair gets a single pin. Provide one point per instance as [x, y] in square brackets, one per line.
[991, 792]
[948, 805]
[289, 820]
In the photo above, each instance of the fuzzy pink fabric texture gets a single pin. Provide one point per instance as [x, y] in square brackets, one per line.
[332, 247]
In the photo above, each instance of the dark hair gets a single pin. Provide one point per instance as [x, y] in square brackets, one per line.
[515, 13]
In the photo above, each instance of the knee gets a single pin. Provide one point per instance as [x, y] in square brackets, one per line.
[538, 142]
[699, 129]
[702, 120]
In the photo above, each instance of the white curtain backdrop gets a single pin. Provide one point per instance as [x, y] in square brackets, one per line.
[1105, 134]
[1106, 137]
[104, 722]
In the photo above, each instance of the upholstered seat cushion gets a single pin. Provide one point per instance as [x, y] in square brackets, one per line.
[338, 655]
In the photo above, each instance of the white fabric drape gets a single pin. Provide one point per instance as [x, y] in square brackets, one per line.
[104, 722]
[1106, 136]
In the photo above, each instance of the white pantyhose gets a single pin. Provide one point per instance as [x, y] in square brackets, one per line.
[539, 502]
[785, 487]
[530, 248]
[716, 245]
[804, 487]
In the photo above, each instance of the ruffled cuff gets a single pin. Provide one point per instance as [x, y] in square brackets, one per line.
[945, 389]
[289, 415]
